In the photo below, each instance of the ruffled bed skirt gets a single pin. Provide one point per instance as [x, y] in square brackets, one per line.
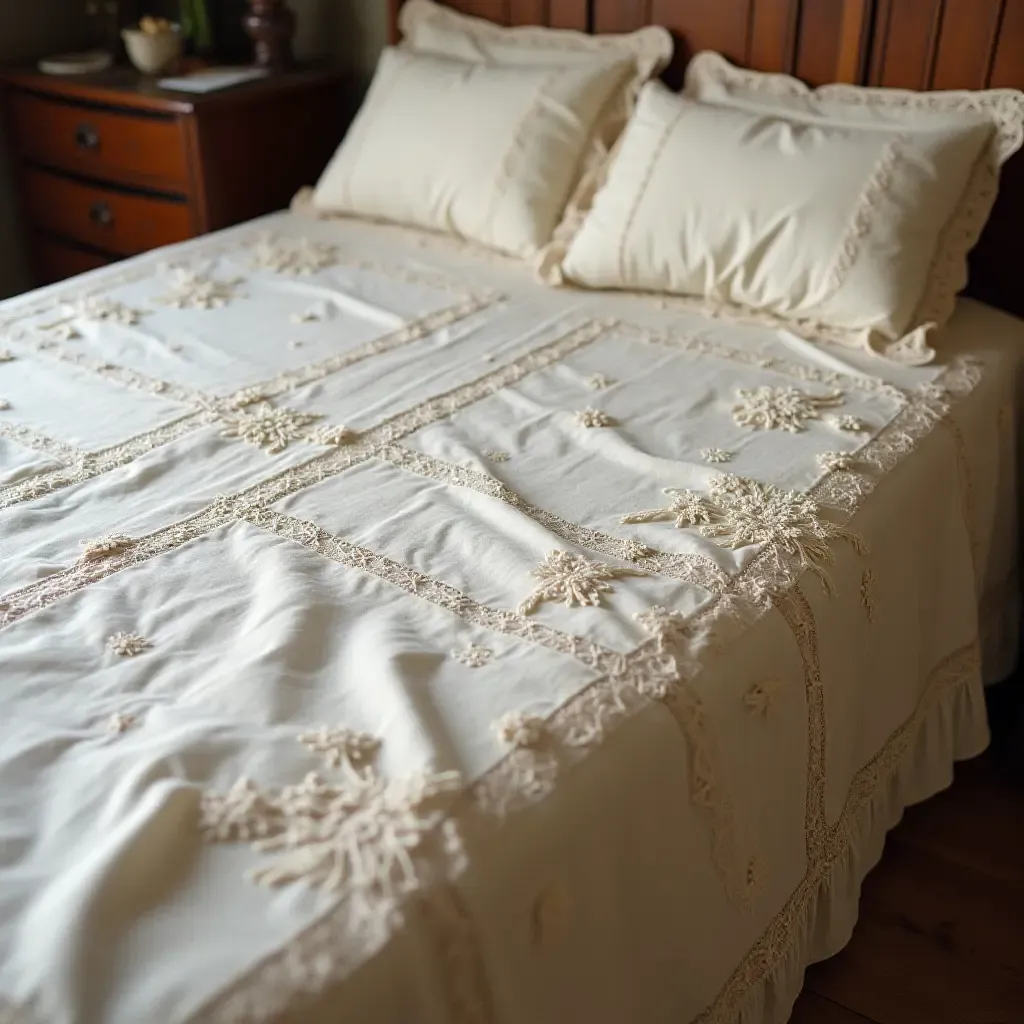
[953, 728]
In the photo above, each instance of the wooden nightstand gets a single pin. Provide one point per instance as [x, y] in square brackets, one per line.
[109, 165]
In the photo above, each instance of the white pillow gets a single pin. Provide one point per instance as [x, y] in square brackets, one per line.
[487, 153]
[428, 27]
[830, 229]
[711, 78]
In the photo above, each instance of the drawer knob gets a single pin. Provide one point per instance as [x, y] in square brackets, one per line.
[86, 137]
[100, 213]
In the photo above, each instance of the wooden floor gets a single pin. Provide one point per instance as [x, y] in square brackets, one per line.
[940, 938]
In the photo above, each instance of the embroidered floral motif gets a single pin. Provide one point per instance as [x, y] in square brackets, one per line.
[333, 435]
[571, 579]
[742, 511]
[687, 508]
[494, 455]
[267, 427]
[598, 381]
[120, 722]
[340, 745]
[520, 729]
[716, 455]
[785, 408]
[851, 424]
[867, 594]
[190, 290]
[104, 547]
[761, 697]
[127, 644]
[364, 835]
[103, 310]
[667, 627]
[594, 418]
[297, 257]
[248, 396]
[634, 551]
[835, 462]
[473, 656]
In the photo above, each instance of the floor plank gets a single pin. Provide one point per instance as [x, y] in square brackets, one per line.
[814, 1009]
[940, 938]
[978, 822]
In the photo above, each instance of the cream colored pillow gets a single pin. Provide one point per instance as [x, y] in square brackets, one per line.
[829, 229]
[711, 78]
[487, 153]
[428, 27]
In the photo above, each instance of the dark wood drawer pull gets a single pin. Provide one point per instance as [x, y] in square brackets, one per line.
[87, 137]
[100, 213]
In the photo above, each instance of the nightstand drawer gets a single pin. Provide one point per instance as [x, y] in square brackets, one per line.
[54, 260]
[113, 221]
[129, 148]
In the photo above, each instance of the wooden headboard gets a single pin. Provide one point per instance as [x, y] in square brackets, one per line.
[910, 44]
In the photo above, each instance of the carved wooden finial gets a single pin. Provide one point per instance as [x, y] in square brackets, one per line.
[271, 26]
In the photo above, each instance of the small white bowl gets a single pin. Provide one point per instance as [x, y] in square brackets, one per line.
[152, 53]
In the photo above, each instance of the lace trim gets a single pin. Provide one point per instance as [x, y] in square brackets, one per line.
[953, 672]
[651, 46]
[44, 592]
[867, 594]
[28, 438]
[863, 215]
[694, 569]
[699, 344]
[85, 467]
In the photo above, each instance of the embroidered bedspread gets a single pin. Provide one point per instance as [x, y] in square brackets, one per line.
[388, 637]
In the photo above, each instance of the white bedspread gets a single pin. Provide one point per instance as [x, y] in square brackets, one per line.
[355, 662]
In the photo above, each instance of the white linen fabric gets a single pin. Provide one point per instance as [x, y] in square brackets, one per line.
[485, 152]
[356, 664]
[711, 78]
[829, 226]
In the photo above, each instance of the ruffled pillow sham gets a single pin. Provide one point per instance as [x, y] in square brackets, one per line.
[487, 153]
[793, 211]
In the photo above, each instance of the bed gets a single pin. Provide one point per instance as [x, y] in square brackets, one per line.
[361, 660]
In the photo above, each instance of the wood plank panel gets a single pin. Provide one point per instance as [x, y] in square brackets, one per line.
[722, 25]
[527, 12]
[568, 14]
[1008, 65]
[773, 30]
[904, 43]
[965, 44]
[620, 15]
